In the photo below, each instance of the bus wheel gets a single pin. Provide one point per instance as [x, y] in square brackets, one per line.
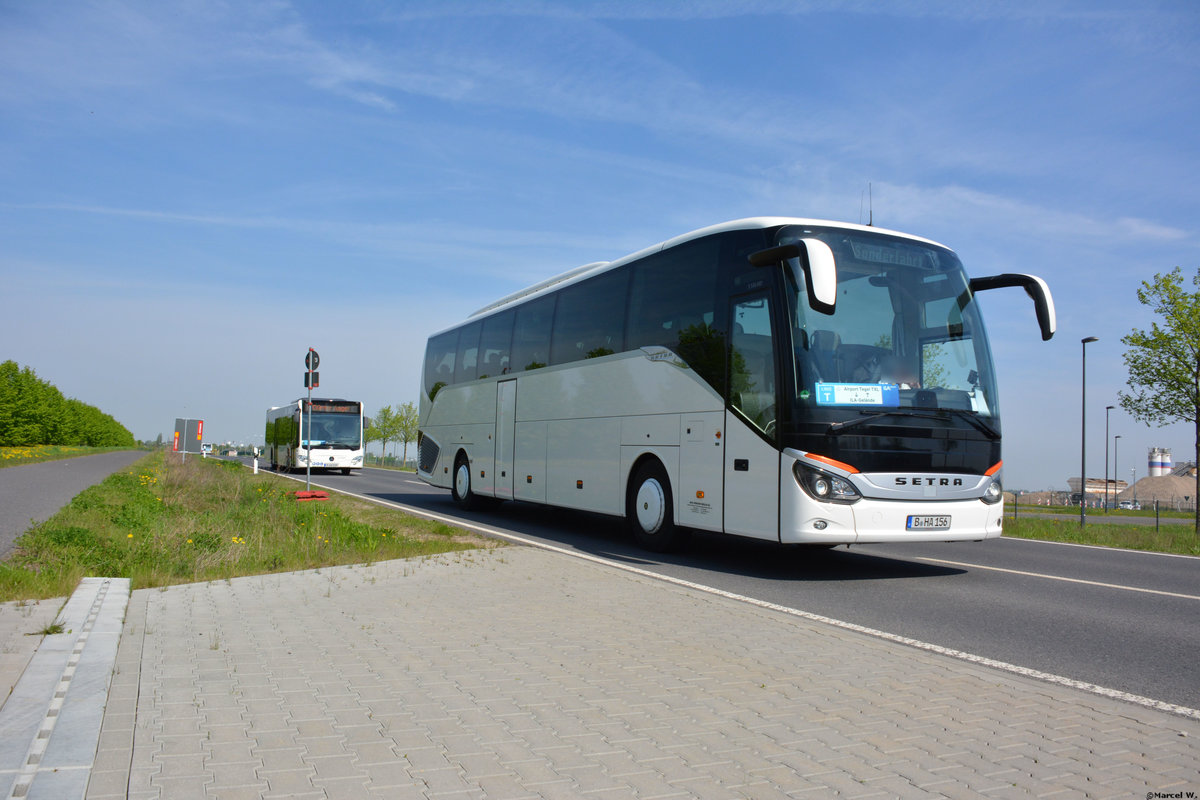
[649, 510]
[466, 499]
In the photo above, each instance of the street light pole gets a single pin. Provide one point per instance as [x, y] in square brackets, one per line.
[1083, 343]
[1106, 410]
[1116, 455]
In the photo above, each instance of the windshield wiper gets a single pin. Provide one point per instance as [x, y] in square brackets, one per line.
[837, 428]
[973, 418]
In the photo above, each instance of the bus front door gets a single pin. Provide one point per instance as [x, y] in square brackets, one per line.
[751, 459]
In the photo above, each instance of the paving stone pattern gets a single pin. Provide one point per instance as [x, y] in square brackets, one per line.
[518, 673]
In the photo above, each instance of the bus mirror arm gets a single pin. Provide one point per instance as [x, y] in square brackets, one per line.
[1035, 287]
[814, 259]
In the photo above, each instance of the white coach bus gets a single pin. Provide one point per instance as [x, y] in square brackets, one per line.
[793, 380]
[334, 428]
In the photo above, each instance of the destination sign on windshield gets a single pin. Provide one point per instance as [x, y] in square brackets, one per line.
[858, 394]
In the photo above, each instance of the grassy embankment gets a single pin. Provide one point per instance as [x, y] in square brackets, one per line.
[161, 522]
[1169, 538]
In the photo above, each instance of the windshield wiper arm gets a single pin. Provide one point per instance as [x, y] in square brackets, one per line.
[837, 427]
[971, 417]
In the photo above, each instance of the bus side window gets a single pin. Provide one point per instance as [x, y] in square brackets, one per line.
[590, 320]
[468, 354]
[495, 344]
[439, 361]
[673, 303]
[671, 294]
[531, 334]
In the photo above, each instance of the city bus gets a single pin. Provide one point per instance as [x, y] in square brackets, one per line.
[792, 380]
[334, 429]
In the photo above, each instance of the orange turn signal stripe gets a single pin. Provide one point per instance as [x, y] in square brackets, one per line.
[995, 468]
[832, 462]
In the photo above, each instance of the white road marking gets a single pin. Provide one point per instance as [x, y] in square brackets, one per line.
[1062, 578]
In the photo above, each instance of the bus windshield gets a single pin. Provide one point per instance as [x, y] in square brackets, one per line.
[330, 429]
[906, 333]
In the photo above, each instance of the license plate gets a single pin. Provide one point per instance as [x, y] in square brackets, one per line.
[933, 522]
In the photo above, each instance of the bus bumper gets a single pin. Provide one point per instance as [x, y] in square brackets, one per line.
[880, 521]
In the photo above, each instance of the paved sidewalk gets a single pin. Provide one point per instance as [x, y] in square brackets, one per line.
[521, 673]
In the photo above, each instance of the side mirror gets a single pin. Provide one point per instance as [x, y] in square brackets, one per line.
[1035, 287]
[812, 263]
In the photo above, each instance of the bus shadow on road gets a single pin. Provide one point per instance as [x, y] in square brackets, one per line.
[607, 537]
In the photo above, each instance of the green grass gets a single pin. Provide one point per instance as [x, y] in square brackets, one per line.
[1098, 513]
[1179, 539]
[14, 456]
[162, 522]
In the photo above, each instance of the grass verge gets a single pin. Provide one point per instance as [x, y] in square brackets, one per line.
[14, 456]
[1178, 539]
[161, 522]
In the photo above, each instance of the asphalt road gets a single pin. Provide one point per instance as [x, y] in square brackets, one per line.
[1124, 620]
[32, 493]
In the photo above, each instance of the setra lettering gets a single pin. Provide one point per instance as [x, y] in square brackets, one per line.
[923, 481]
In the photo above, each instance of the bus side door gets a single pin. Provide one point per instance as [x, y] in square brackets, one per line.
[751, 458]
[506, 429]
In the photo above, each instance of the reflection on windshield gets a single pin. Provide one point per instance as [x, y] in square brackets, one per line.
[333, 430]
[906, 332]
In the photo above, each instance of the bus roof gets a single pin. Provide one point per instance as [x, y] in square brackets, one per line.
[749, 223]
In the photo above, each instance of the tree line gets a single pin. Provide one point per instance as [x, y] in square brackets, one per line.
[400, 426]
[34, 412]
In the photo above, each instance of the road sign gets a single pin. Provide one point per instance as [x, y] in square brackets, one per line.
[312, 379]
[312, 360]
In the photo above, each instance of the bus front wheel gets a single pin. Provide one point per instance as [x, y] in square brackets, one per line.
[466, 499]
[649, 510]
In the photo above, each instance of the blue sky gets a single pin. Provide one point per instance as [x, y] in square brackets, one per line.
[194, 193]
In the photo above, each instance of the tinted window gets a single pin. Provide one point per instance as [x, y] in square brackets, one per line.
[468, 354]
[673, 303]
[531, 334]
[439, 362]
[590, 321]
[494, 346]
[673, 292]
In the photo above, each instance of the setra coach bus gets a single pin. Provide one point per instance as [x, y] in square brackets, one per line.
[334, 428]
[793, 380]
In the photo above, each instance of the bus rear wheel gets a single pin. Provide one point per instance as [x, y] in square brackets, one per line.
[649, 510]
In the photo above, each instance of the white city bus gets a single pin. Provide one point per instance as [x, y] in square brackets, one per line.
[335, 430]
[793, 380]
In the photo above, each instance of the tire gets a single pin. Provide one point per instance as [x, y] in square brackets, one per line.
[649, 510]
[460, 487]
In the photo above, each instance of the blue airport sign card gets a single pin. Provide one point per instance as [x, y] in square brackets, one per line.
[858, 394]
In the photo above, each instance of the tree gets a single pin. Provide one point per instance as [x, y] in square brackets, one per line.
[1164, 362]
[382, 428]
[407, 420]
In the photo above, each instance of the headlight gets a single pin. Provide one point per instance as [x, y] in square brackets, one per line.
[994, 493]
[823, 486]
